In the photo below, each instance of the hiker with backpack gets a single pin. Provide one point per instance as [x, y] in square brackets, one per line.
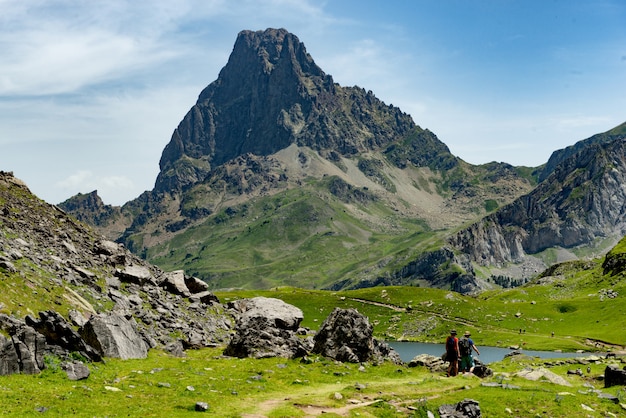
[452, 353]
[466, 345]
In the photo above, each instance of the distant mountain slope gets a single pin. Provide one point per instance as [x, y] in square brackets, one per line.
[279, 175]
[557, 157]
[581, 203]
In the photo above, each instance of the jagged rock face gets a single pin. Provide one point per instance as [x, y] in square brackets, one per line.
[269, 95]
[583, 199]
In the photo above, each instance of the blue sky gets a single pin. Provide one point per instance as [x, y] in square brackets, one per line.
[91, 91]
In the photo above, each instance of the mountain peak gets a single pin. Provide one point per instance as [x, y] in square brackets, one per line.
[271, 94]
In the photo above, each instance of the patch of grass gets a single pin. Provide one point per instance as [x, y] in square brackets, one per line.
[161, 385]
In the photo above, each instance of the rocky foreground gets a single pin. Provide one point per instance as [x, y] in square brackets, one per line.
[94, 299]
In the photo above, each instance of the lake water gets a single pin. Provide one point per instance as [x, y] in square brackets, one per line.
[408, 350]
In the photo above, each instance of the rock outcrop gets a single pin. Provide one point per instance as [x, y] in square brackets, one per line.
[347, 336]
[267, 327]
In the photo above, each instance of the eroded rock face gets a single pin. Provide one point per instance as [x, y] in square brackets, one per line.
[346, 335]
[582, 200]
[267, 327]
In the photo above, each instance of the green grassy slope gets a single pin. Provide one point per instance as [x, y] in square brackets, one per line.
[300, 237]
[573, 303]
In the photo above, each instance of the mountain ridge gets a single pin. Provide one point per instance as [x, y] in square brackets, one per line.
[274, 122]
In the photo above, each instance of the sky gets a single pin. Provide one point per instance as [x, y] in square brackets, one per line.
[91, 91]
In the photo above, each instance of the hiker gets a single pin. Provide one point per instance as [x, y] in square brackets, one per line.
[452, 353]
[466, 345]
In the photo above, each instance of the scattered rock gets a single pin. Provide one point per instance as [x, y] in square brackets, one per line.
[613, 376]
[75, 370]
[543, 374]
[467, 408]
[201, 406]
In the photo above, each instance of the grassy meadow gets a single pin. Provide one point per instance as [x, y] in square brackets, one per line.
[164, 386]
[584, 308]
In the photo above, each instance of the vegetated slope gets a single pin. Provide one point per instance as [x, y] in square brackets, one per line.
[578, 207]
[576, 305]
[51, 261]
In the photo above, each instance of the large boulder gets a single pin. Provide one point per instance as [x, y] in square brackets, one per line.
[114, 336]
[613, 376]
[282, 315]
[346, 335]
[23, 350]
[266, 327]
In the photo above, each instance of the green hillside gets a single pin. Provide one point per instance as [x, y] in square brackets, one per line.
[306, 237]
[584, 308]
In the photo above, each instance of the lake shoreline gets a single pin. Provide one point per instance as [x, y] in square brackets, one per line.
[409, 349]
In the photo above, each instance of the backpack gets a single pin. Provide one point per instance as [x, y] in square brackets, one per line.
[464, 346]
[450, 346]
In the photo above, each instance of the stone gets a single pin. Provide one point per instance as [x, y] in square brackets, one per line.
[433, 363]
[266, 327]
[467, 408]
[175, 282]
[9, 361]
[114, 336]
[281, 314]
[543, 374]
[201, 406]
[196, 285]
[75, 370]
[57, 331]
[134, 274]
[613, 376]
[206, 297]
[347, 336]
[259, 337]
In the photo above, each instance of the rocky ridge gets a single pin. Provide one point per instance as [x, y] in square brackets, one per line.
[580, 203]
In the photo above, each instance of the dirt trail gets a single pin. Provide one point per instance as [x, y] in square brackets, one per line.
[268, 406]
